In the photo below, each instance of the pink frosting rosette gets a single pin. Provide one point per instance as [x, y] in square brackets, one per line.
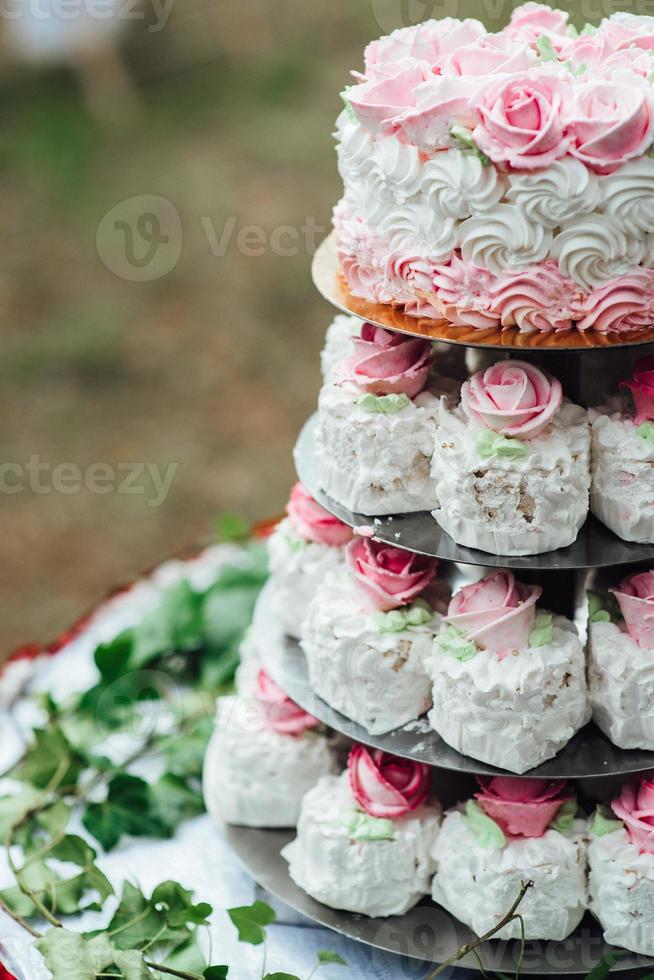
[635, 807]
[642, 389]
[522, 119]
[377, 102]
[522, 807]
[491, 55]
[384, 785]
[537, 299]
[386, 363]
[388, 577]
[464, 293]
[611, 121]
[282, 714]
[441, 103]
[497, 613]
[312, 522]
[532, 20]
[622, 305]
[429, 42]
[636, 598]
[512, 398]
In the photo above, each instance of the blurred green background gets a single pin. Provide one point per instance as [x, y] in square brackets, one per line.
[225, 109]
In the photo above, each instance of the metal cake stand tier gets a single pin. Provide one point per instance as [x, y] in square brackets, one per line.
[426, 933]
[589, 755]
[329, 283]
[595, 547]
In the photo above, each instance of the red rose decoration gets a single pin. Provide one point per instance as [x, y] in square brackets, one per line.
[312, 522]
[513, 398]
[635, 806]
[642, 389]
[636, 598]
[385, 785]
[283, 715]
[388, 577]
[497, 613]
[387, 363]
[522, 807]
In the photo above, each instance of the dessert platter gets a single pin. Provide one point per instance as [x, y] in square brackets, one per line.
[444, 720]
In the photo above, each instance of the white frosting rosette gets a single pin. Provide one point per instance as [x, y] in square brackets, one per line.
[262, 758]
[338, 341]
[368, 637]
[512, 463]
[515, 831]
[621, 858]
[364, 838]
[302, 550]
[377, 426]
[622, 489]
[621, 664]
[509, 681]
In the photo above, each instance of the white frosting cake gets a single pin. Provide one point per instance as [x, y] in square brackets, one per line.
[513, 713]
[509, 505]
[338, 341]
[297, 570]
[373, 877]
[622, 891]
[250, 664]
[376, 463]
[622, 490]
[254, 776]
[378, 679]
[479, 885]
[621, 686]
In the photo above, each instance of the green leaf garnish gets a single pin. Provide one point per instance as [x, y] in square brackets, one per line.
[383, 404]
[489, 444]
[251, 922]
[325, 957]
[605, 822]
[596, 611]
[646, 432]
[464, 137]
[543, 632]
[489, 835]
[546, 49]
[419, 613]
[453, 642]
[565, 817]
[361, 826]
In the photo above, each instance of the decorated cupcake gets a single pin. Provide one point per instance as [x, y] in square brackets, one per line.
[364, 838]
[509, 681]
[303, 548]
[622, 490]
[511, 463]
[265, 753]
[338, 341]
[621, 667]
[368, 635]
[514, 831]
[377, 425]
[621, 857]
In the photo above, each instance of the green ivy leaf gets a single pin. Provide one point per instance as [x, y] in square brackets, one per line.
[487, 832]
[44, 756]
[231, 528]
[251, 920]
[325, 956]
[178, 906]
[174, 801]
[129, 808]
[280, 976]
[606, 964]
[71, 956]
[216, 973]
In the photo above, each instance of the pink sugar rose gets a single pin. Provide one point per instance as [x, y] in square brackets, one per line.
[429, 42]
[630, 30]
[536, 299]
[384, 785]
[388, 577]
[521, 119]
[513, 398]
[642, 389]
[634, 60]
[611, 121]
[441, 103]
[282, 714]
[497, 613]
[386, 363]
[522, 807]
[532, 20]
[635, 806]
[589, 50]
[312, 522]
[375, 103]
[636, 598]
[490, 55]
[463, 292]
[622, 305]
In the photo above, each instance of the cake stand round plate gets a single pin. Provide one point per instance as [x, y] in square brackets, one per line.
[329, 282]
[426, 932]
[589, 755]
[595, 547]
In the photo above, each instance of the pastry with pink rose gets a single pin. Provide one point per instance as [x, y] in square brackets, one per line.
[377, 425]
[368, 635]
[509, 678]
[263, 756]
[621, 661]
[621, 858]
[622, 489]
[364, 838]
[513, 831]
[338, 341]
[304, 547]
[511, 462]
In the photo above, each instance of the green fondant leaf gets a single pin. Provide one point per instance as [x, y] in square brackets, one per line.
[605, 822]
[543, 632]
[454, 643]
[383, 404]
[546, 48]
[565, 817]
[646, 429]
[489, 835]
[361, 826]
[489, 443]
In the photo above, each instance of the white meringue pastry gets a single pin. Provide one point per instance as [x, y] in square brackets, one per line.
[622, 891]
[622, 489]
[621, 686]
